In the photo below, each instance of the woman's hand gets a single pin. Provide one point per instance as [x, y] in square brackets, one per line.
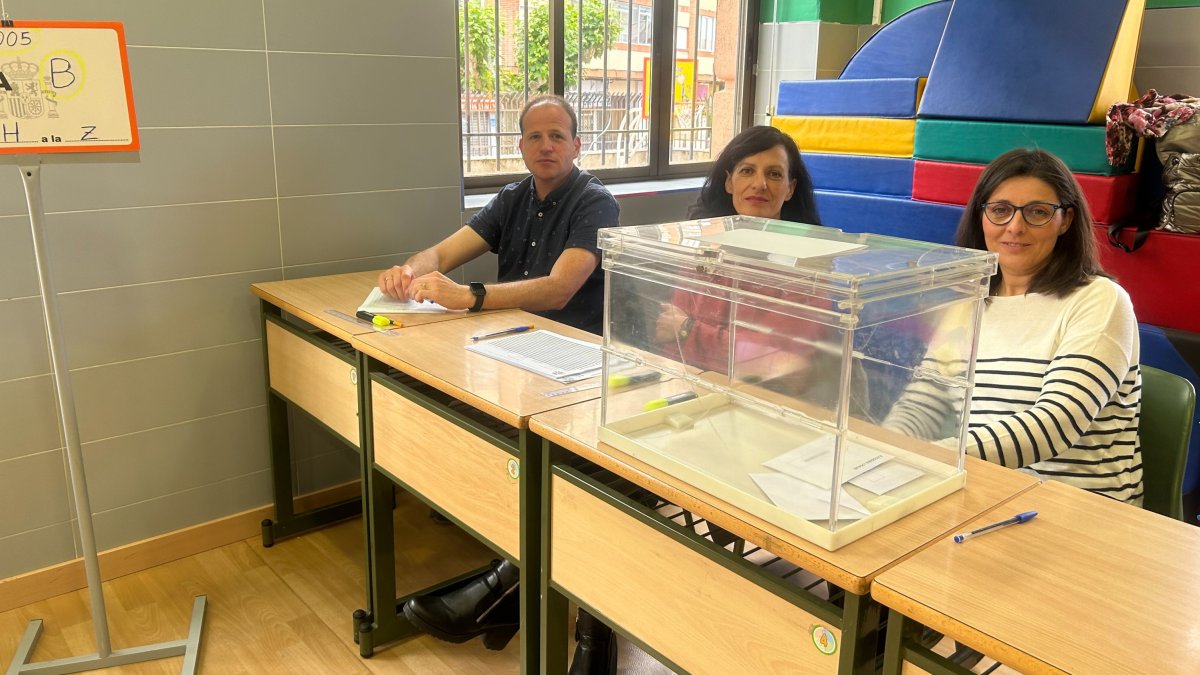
[666, 326]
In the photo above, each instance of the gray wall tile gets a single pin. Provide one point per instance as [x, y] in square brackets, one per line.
[24, 353]
[181, 509]
[359, 89]
[1169, 39]
[362, 27]
[328, 160]
[199, 87]
[159, 462]
[335, 227]
[12, 195]
[227, 24]
[344, 266]
[36, 549]
[97, 249]
[18, 272]
[122, 398]
[33, 492]
[327, 470]
[661, 208]
[1169, 79]
[131, 322]
[838, 42]
[29, 417]
[177, 166]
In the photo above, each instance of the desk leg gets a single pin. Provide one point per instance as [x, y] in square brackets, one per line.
[533, 529]
[860, 634]
[900, 649]
[287, 522]
[554, 605]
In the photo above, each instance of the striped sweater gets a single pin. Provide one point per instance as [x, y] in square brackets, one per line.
[1057, 390]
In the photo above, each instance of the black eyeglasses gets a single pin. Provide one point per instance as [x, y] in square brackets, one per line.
[1035, 214]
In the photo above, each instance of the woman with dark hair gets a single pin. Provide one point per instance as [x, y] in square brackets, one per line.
[759, 173]
[1057, 383]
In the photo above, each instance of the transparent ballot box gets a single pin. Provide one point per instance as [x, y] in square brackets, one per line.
[816, 379]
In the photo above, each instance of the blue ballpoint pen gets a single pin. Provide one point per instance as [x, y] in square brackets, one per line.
[1015, 520]
[506, 331]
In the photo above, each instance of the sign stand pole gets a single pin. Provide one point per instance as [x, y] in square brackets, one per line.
[105, 656]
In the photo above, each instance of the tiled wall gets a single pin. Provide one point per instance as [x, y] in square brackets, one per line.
[1169, 54]
[281, 138]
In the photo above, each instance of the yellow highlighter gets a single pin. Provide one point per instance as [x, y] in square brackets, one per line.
[377, 319]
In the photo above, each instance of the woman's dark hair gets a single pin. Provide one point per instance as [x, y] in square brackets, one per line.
[1074, 260]
[714, 201]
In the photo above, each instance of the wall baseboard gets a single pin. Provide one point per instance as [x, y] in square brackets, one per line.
[69, 576]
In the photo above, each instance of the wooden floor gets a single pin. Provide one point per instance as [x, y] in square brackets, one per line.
[284, 609]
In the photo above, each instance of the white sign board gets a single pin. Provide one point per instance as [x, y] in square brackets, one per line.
[64, 87]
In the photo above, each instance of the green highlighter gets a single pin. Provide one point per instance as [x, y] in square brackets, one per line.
[616, 381]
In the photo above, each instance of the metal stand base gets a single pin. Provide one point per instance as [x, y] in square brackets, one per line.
[189, 648]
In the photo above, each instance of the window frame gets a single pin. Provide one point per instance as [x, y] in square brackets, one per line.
[662, 51]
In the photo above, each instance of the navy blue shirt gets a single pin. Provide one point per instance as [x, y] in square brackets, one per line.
[529, 235]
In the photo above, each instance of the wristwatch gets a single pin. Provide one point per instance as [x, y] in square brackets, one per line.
[685, 328]
[479, 291]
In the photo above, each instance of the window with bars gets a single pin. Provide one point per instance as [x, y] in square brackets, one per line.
[622, 84]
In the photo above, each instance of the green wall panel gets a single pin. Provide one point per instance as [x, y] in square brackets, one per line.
[847, 11]
[894, 8]
[836, 11]
[790, 10]
[1162, 4]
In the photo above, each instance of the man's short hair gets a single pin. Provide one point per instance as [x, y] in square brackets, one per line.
[556, 100]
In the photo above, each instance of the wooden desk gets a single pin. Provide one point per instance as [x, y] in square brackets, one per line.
[452, 426]
[311, 364]
[699, 607]
[1089, 586]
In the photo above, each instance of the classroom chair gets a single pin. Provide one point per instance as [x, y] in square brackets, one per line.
[1168, 402]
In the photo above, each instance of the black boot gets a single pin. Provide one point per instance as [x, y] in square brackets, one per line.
[488, 605]
[596, 652]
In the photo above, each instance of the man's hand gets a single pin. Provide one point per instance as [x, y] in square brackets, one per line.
[395, 282]
[441, 289]
[666, 327]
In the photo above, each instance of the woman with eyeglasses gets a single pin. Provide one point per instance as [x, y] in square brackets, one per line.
[1057, 383]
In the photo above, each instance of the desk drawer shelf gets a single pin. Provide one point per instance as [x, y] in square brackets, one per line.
[643, 574]
[316, 374]
[418, 441]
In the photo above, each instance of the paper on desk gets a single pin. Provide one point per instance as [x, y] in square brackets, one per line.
[378, 303]
[813, 461]
[886, 477]
[780, 246]
[546, 353]
[805, 499]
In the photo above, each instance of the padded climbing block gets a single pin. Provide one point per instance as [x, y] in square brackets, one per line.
[1030, 60]
[852, 135]
[1158, 276]
[1177, 352]
[860, 173]
[903, 47]
[894, 97]
[1109, 197]
[892, 216]
[973, 142]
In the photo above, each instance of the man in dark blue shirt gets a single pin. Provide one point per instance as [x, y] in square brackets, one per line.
[543, 229]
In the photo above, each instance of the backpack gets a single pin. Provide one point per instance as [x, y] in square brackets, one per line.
[1179, 152]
